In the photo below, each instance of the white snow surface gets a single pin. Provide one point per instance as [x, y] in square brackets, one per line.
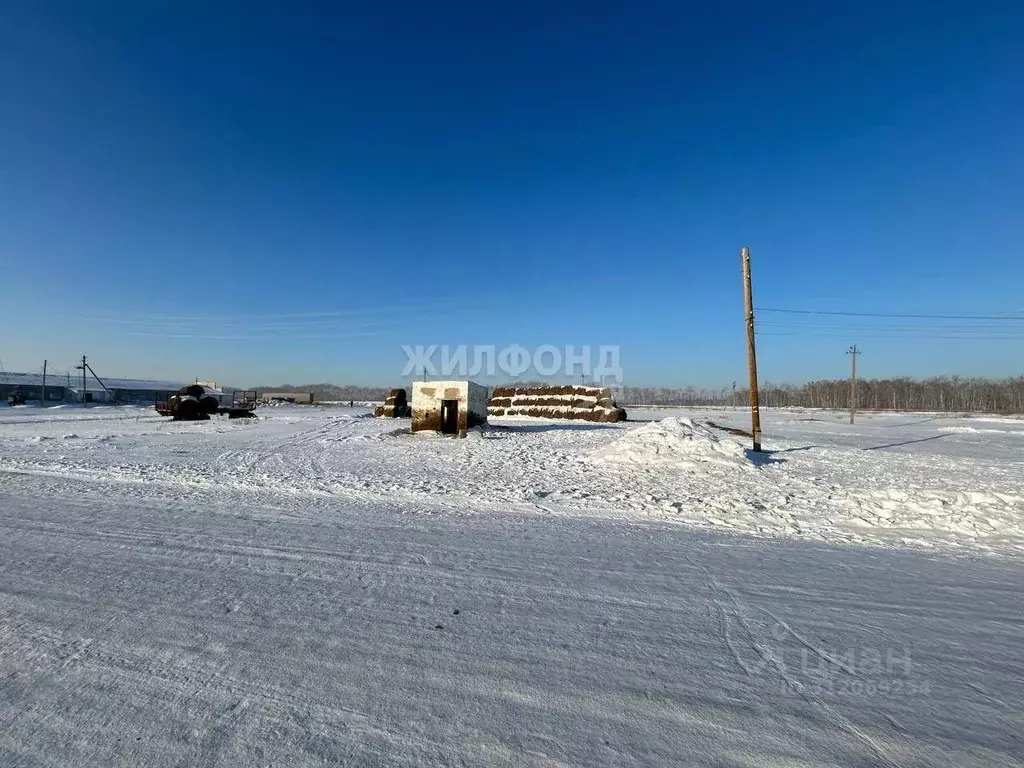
[316, 587]
[672, 440]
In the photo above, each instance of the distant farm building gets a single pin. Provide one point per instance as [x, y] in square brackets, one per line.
[302, 398]
[449, 407]
[69, 389]
[556, 402]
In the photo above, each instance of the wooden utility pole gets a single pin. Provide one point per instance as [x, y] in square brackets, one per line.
[42, 396]
[853, 352]
[83, 367]
[748, 300]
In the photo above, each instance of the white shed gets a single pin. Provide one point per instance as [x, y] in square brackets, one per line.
[449, 407]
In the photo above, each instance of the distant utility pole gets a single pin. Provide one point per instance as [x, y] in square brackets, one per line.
[748, 301]
[853, 352]
[83, 369]
[42, 396]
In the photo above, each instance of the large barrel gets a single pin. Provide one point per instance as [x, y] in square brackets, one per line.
[209, 404]
[192, 390]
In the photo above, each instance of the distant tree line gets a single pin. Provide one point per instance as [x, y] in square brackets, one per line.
[943, 393]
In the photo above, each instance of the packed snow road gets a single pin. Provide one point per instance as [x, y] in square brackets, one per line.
[317, 589]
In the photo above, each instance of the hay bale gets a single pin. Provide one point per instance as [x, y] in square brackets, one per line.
[186, 408]
[396, 405]
[564, 401]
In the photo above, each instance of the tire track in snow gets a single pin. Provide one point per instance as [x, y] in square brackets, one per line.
[769, 660]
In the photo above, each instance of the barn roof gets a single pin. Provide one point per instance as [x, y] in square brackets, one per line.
[91, 385]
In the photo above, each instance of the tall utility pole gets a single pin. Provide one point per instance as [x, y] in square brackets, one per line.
[853, 352]
[42, 396]
[83, 367]
[748, 301]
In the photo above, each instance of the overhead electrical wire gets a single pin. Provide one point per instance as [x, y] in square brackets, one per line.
[1015, 315]
[919, 337]
[1005, 326]
[869, 326]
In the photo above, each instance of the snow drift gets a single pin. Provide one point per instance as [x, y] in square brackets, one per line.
[673, 440]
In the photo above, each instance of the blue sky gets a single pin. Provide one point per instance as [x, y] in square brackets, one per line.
[290, 192]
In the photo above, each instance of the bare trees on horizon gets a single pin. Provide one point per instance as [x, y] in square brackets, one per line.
[941, 393]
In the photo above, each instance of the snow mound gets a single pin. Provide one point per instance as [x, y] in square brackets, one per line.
[673, 440]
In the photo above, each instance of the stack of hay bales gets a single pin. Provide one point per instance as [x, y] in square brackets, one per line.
[208, 403]
[556, 402]
[396, 405]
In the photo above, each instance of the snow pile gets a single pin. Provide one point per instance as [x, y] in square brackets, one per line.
[673, 440]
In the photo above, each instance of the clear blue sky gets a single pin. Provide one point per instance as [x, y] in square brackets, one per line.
[315, 185]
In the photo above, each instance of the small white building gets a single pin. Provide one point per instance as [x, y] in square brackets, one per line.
[449, 407]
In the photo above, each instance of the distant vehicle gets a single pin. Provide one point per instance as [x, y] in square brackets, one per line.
[194, 403]
[15, 398]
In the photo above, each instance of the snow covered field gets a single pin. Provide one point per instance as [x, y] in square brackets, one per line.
[321, 588]
[893, 479]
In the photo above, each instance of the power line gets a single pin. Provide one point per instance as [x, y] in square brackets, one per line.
[970, 333]
[1014, 316]
[884, 326]
[918, 336]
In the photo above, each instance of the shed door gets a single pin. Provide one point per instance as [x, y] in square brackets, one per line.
[450, 417]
